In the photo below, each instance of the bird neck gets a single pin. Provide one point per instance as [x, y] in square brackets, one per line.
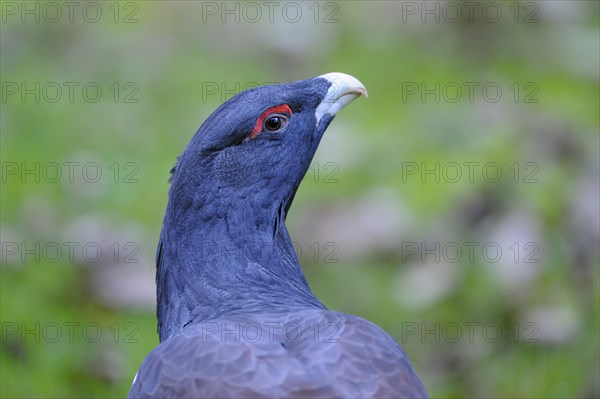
[238, 261]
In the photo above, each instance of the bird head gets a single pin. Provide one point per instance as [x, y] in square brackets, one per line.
[230, 192]
[255, 148]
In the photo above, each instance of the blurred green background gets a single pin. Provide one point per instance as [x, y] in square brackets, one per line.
[457, 207]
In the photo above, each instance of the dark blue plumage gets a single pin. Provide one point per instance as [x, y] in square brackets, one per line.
[225, 261]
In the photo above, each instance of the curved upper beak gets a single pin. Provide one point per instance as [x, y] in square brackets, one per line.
[343, 90]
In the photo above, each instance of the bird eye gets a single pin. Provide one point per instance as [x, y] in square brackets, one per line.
[275, 122]
[273, 119]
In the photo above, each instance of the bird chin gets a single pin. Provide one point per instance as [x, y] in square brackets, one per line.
[319, 132]
[322, 126]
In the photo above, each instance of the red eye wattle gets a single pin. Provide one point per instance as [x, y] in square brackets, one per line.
[271, 120]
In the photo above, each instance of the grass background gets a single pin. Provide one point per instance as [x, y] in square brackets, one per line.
[480, 326]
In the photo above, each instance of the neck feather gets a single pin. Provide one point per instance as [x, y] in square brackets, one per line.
[231, 262]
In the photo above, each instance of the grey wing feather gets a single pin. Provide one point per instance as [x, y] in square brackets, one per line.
[308, 354]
